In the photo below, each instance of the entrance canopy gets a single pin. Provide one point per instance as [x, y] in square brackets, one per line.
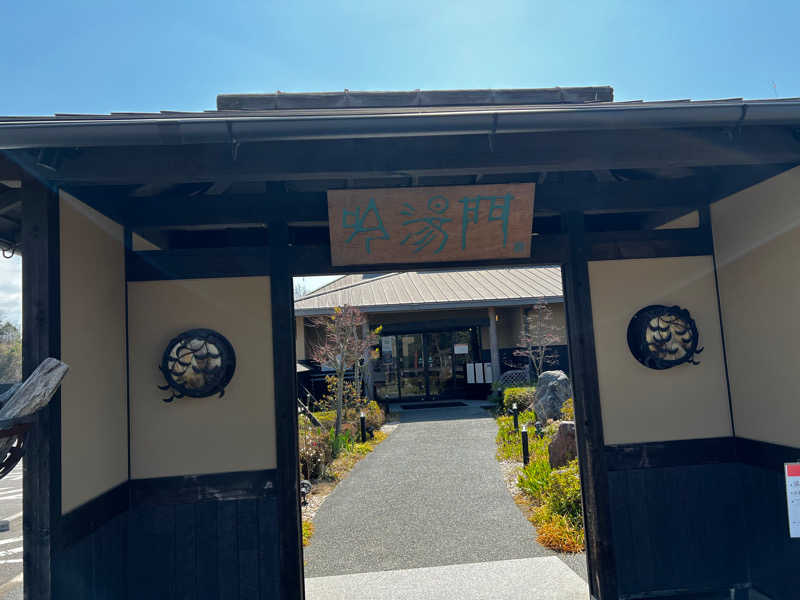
[213, 179]
[138, 227]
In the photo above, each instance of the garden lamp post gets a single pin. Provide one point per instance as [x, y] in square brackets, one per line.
[363, 427]
[516, 416]
[525, 455]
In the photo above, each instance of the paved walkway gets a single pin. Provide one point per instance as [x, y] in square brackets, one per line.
[429, 508]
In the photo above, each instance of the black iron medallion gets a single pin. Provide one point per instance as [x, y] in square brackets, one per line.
[197, 363]
[661, 337]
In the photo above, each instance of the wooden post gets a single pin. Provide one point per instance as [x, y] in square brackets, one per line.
[495, 351]
[588, 418]
[368, 375]
[41, 324]
[284, 369]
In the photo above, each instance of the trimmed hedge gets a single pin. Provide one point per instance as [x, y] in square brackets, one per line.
[523, 396]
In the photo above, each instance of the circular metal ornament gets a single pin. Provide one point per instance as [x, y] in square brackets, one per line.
[661, 337]
[197, 363]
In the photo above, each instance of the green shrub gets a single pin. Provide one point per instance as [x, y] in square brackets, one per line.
[523, 396]
[342, 442]
[563, 494]
[375, 416]
[568, 410]
[327, 418]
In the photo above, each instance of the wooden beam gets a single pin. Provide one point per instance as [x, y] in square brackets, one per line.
[424, 156]
[175, 210]
[157, 265]
[588, 418]
[9, 169]
[9, 201]
[285, 377]
[550, 249]
[620, 245]
[41, 322]
[678, 453]
[724, 182]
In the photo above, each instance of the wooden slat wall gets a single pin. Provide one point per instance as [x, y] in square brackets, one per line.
[216, 549]
[774, 555]
[678, 528]
[94, 567]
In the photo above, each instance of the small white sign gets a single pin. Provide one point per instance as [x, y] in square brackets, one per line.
[461, 348]
[386, 344]
[487, 372]
[470, 372]
[792, 472]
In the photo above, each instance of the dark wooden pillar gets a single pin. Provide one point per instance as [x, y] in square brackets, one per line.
[586, 394]
[494, 347]
[283, 341]
[41, 326]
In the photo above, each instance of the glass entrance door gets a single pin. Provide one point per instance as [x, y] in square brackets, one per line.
[412, 369]
[425, 366]
[440, 363]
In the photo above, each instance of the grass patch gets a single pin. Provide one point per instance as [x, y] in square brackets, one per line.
[344, 463]
[557, 532]
[551, 499]
[308, 531]
[509, 442]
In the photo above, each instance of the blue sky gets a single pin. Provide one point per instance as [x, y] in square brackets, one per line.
[102, 56]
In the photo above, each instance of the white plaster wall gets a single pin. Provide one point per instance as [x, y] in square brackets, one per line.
[202, 435]
[94, 422]
[641, 404]
[757, 243]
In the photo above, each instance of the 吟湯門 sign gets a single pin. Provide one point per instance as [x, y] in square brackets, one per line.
[433, 224]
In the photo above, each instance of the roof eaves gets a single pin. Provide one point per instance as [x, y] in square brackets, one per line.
[212, 127]
[385, 308]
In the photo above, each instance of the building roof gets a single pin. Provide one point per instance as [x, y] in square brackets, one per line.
[431, 290]
[242, 118]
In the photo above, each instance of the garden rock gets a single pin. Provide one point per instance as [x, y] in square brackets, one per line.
[552, 390]
[563, 447]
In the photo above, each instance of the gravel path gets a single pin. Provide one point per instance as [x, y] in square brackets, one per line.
[431, 495]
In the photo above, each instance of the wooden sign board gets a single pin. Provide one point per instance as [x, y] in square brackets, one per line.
[428, 225]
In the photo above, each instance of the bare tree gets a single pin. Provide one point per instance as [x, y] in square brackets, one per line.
[10, 352]
[342, 346]
[539, 334]
[301, 287]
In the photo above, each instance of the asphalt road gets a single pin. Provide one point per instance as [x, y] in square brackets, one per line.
[11, 541]
[431, 495]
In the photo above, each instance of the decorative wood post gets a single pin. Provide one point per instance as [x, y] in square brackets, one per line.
[493, 343]
[588, 418]
[285, 373]
[41, 324]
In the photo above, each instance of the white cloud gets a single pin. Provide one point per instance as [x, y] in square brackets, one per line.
[11, 289]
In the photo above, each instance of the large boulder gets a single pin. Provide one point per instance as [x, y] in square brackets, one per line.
[563, 447]
[552, 390]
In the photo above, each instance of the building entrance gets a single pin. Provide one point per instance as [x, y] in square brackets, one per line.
[426, 366]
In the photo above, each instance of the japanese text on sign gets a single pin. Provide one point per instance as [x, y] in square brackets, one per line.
[400, 225]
